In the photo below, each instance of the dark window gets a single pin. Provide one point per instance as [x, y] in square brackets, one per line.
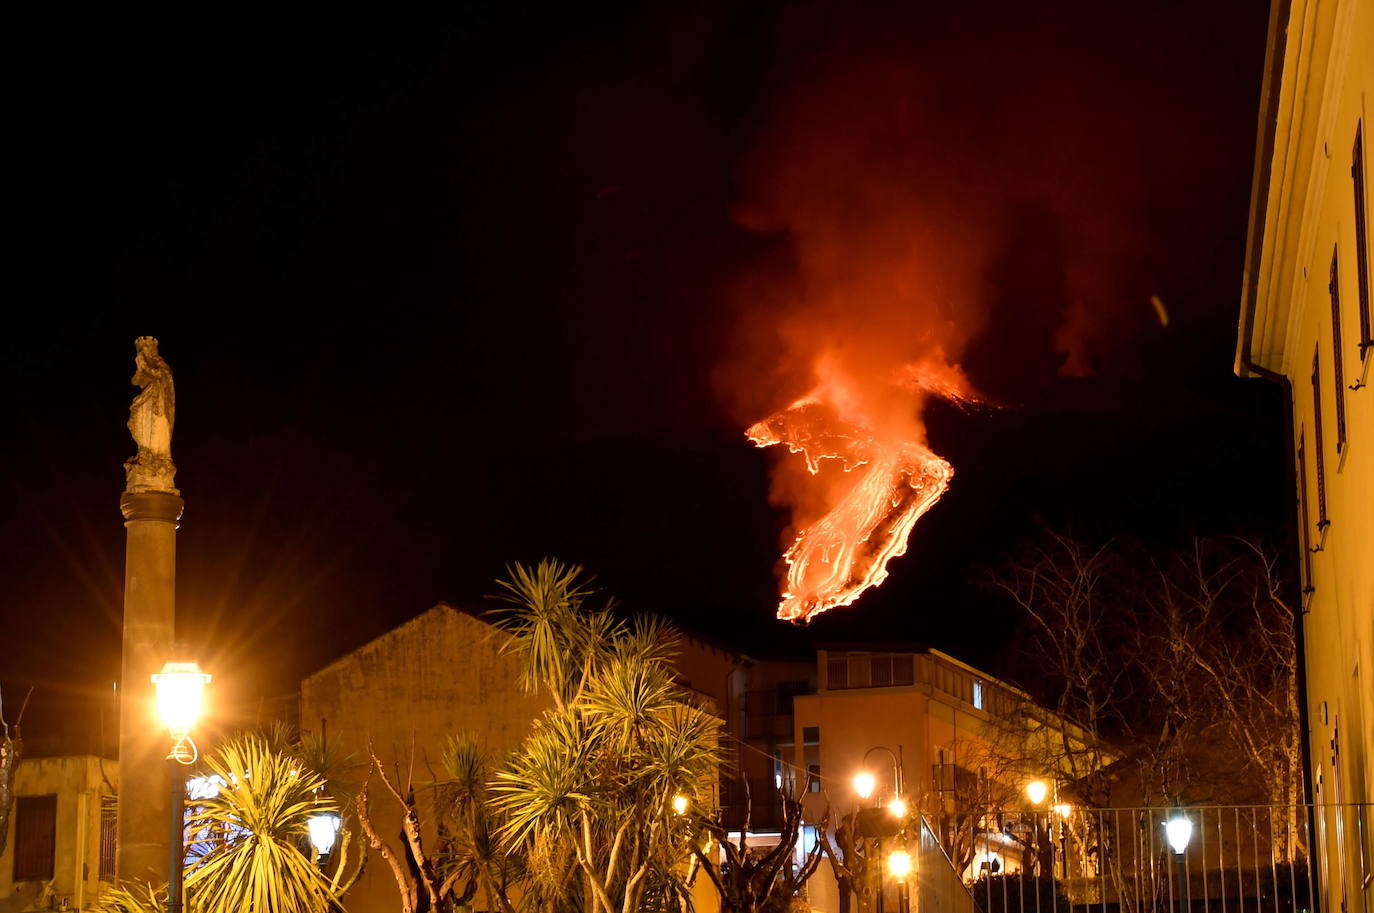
[1304, 516]
[811, 735]
[1322, 521]
[880, 673]
[1337, 360]
[1362, 289]
[35, 837]
[837, 671]
[903, 670]
[107, 843]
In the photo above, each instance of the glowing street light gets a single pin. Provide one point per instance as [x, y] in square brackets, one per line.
[1036, 791]
[899, 864]
[1179, 830]
[680, 805]
[324, 830]
[864, 784]
[898, 807]
[180, 696]
[1063, 810]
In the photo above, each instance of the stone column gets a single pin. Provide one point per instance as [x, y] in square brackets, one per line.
[149, 638]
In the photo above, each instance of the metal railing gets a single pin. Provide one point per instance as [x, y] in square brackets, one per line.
[1236, 859]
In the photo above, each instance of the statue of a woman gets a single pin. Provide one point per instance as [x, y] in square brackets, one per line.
[150, 422]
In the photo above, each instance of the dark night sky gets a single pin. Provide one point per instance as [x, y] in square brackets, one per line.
[442, 293]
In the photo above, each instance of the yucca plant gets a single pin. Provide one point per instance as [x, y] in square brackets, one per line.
[251, 838]
[600, 771]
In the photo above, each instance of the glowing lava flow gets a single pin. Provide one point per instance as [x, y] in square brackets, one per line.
[835, 559]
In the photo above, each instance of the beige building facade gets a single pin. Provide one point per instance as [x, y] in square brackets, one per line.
[918, 715]
[1306, 324]
[61, 836]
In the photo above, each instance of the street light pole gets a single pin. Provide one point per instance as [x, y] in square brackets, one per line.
[176, 847]
[1179, 830]
[180, 691]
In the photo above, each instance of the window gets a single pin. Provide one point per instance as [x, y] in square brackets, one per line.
[1304, 518]
[107, 841]
[903, 669]
[35, 837]
[1317, 444]
[978, 695]
[880, 674]
[1337, 361]
[1362, 290]
[837, 671]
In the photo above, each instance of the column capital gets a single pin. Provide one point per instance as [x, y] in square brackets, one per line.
[151, 505]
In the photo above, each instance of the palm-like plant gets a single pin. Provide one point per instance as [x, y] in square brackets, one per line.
[600, 771]
[250, 838]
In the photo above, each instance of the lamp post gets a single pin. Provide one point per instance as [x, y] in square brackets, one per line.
[1036, 791]
[180, 695]
[899, 867]
[864, 785]
[324, 830]
[1179, 830]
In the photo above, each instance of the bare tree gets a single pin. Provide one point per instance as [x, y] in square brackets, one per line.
[764, 879]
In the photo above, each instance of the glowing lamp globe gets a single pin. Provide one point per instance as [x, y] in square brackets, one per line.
[1036, 791]
[180, 695]
[324, 829]
[1179, 830]
[680, 805]
[1063, 811]
[864, 783]
[899, 864]
[898, 807]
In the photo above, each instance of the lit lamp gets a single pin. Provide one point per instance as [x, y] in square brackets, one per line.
[680, 804]
[180, 696]
[899, 867]
[898, 807]
[864, 783]
[1036, 791]
[324, 830]
[1178, 830]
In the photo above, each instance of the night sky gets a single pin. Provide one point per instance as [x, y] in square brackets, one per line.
[444, 292]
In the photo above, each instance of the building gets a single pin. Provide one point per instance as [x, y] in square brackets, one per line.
[951, 741]
[61, 835]
[443, 673]
[1306, 324]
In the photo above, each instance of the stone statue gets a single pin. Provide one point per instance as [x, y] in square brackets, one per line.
[150, 422]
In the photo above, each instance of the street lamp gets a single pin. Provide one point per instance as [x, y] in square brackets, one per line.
[899, 867]
[1036, 791]
[898, 807]
[680, 804]
[864, 783]
[1178, 830]
[180, 696]
[324, 830]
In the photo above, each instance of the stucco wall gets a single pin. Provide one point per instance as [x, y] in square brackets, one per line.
[79, 785]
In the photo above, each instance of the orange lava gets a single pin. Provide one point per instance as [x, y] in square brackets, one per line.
[839, 556]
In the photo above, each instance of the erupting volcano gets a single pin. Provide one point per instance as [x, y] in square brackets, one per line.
[894, 480]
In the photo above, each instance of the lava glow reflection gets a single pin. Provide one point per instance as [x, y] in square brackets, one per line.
[834, 559]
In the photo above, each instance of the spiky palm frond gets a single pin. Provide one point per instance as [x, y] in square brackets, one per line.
[253, 833]
[628, 698]
[132, 897]
[549, 626]
[547, 783]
